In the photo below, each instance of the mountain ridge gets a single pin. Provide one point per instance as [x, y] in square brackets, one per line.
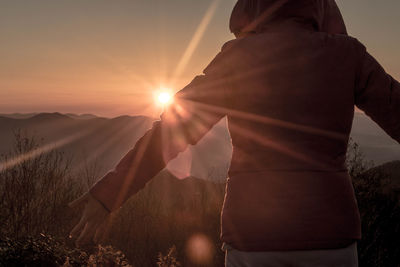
[109, 139]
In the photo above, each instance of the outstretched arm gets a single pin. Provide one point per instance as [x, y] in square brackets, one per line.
[378, 95]
[184, 122]
[196, 108]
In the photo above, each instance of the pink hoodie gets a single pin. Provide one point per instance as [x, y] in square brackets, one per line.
[288, 86]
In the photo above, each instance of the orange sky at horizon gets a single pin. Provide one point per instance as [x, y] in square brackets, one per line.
[108, 59]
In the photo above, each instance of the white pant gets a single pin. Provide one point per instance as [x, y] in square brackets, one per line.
[343, 257]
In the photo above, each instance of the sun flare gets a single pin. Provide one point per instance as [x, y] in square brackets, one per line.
[164, 98]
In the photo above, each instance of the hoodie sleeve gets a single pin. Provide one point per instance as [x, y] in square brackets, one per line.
[378, 95]
[195, 110]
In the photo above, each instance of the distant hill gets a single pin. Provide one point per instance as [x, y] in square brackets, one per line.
[89, 138]
[29, 115]
[374, 142]
[81, 116]
[18, 115]
[97, 139]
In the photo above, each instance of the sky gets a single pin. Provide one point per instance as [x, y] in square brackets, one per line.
[109, 57]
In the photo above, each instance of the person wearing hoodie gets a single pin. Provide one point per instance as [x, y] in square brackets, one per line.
[288, 85]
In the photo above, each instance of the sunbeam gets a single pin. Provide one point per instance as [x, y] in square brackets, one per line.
[111, 139]
[268, 120]
[262, 140]
[202, 117]
[39, 151]
[123, 69]
[198, 35]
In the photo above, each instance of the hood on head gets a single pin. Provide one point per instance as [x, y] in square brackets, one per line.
[253, 16]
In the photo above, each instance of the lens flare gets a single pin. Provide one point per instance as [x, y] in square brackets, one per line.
[200, 249]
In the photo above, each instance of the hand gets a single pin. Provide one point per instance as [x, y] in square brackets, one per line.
[93, 222]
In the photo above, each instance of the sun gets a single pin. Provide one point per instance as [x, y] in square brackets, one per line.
[164, 97]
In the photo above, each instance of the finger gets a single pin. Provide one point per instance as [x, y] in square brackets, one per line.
[79, 201]
[100, 232]
[74, 232]
[87, 234]
[104, 227]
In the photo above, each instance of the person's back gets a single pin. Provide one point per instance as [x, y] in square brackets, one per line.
[298, 87]
[292, 105]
